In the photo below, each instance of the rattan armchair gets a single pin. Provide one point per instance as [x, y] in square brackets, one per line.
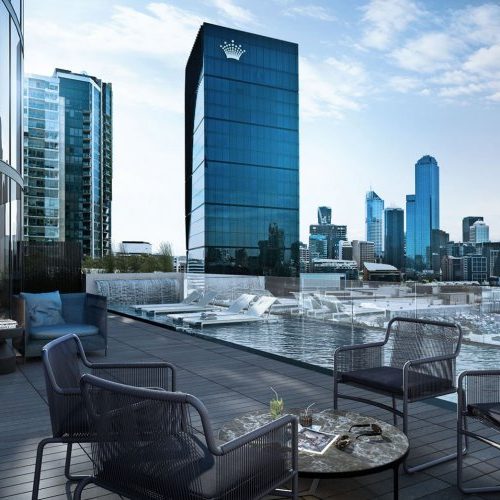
[414, 362]
[64, 363]
[478, 417]
[157, 444]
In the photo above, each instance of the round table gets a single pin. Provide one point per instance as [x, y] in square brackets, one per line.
[365, 455]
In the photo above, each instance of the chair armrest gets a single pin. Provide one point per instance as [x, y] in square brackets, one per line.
[96, 310]
[156, 374]
[358, 357]
[283, 422]
[478, 386]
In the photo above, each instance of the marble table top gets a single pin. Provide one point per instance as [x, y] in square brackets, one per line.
[362, 456]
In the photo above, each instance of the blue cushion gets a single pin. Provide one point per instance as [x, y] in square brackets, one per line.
[56, 331]
[44, 309]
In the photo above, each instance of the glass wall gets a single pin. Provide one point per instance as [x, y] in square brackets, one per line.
[11, 62]
[242, 150]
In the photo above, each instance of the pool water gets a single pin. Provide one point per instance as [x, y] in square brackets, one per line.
[314, 341]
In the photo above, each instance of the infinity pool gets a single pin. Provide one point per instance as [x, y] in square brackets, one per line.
[313, 341]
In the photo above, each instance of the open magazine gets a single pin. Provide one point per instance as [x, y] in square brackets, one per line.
[312, 441]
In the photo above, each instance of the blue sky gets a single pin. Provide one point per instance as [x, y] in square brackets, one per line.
[382, 83]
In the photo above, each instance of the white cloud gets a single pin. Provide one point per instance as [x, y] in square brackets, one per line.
[485, 61]
[312, 11]
[234, 12]
[330, 87]
[404, 84]
[385, 19]
[462, 90]
[428, 53]
[480, 24]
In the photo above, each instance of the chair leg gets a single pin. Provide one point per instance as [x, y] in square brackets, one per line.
[67, 466]
[394, 415]
[461, 451]
[38, 466]
[77, 495]
[411, 469]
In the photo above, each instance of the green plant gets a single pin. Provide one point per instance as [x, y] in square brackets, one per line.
[276, 405]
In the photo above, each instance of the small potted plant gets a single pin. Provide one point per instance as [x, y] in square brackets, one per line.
[305, 417]
[276, 405]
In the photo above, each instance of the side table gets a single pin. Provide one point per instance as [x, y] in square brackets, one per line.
[7, 353]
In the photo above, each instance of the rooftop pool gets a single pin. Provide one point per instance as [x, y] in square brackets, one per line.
[308, 340]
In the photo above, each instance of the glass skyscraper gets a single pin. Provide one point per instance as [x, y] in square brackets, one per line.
[43, 160]
[11, 151]
[324, 215]
[242, 153]
[375, 222]
[88, 160]
[394, 233]
[422, 214]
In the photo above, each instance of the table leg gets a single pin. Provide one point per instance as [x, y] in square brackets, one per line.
[395, 482]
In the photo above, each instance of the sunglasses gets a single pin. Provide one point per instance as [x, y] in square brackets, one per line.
[375, 430]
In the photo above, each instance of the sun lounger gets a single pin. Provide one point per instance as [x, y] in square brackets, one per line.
[255, 313]
[201, 305]
[190, 299]
[241, 303]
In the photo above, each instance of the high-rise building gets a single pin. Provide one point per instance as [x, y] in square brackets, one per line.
[479, 232]
[475, 268]
[88, 160]
[439, 244]
[11, 149]
[410, 231]
[394, 237]
[43, 160]
[466, 224]
[318, 246]
[425, 216]
[334, 234]
[363, 251]
[241, 145]
[345, 250]
[374, 221]
[324, 215]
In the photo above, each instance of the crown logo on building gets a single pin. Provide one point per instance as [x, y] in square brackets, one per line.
[232, 50]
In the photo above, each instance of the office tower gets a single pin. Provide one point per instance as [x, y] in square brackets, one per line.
[241, 151]
[422, 214]
[43, 160]
[490, 250]
[318, 246]
[466, 224]
[88, 160]
[11, 150]
[410, 231]
[324, 215]
[394, 237]
[474, 268]
[374, 221]
[363, 251]
[479, 232]
[305, 258]
[334, 234]
[439, 243]
[345, 250]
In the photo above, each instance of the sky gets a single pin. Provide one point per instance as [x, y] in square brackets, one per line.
[382, 83]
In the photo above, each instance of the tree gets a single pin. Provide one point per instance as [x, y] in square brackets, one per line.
[165, 259]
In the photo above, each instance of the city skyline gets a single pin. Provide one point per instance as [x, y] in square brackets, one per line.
[381, 85]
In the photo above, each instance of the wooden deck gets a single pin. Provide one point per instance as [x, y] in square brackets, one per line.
[230, 381]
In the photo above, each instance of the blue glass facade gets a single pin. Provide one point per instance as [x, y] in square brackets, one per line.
[375, 222]
[11, 149]
[43, 160]
[242, 147]
[425, 215]
[87, 160]
[394, 237]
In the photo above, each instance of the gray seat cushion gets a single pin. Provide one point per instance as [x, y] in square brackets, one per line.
[389, 380]
[55, 331]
